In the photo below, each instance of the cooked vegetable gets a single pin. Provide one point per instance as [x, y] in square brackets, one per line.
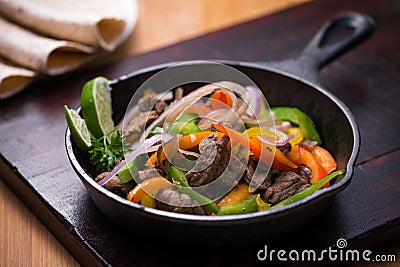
[295, 135]
[219, 142]
[137, 151]
[294, 155]
[324, 158]
[265, 153]
[237, 195]
[307, 158]
[185, 124]
[307, 192]
[148, 187]
[246, 206]
[179, 177]
[286, 114]
[148, 201]
[105, 155]
[130, 170]
[296, 116]
[220, 100]
[307, 126]
[185, 142]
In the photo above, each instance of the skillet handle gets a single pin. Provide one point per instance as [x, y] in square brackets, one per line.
[317, 53]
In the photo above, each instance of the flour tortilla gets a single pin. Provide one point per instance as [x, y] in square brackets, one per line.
[13, 79]
[38, 53]
[97, 23]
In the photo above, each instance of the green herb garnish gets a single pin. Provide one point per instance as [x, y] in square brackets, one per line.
[106, 151]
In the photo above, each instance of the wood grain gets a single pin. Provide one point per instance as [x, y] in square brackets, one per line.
[24, 240]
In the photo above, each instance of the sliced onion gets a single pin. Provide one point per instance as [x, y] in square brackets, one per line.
[254, 122]
[283, 125]
[235, 87]
[256, 99]
[308, 144]
[282, 139]
[232, 96]
[132, 112]
[273, 116]
[153, 148]
[178, 93]
[197, 108]
[213, 117]
[175, 109]
[143, 148]
[174, 155]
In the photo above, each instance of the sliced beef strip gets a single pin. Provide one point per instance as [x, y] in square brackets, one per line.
[178, 202]
[304, 172]
[149, 173]
[250, 172]
[114, 184]
[150, 108]
[285, 148]
[214, 158]
[147, 102]
[285, 185]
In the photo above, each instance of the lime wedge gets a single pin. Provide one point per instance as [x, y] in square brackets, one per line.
[96, 106]
[79, 131]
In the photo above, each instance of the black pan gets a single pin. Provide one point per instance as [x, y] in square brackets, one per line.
[290, 83]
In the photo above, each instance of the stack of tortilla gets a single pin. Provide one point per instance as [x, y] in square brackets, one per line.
[51, 37]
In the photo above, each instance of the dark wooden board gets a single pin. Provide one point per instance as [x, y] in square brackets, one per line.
[35, 166]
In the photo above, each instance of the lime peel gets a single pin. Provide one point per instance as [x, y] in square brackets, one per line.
[96, 106]
[79, 130]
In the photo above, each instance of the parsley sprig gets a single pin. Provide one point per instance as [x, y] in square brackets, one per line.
[106, 152]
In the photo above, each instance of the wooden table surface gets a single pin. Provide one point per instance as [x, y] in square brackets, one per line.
[24, 240]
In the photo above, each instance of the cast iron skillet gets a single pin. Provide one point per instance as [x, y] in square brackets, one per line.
[290, 83]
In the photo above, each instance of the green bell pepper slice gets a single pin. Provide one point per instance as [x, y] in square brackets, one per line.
[310, 190]
[185, 124]
[298, 117]
[179, 177]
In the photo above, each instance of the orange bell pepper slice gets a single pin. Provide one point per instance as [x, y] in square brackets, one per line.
[307, 158]
[324, 158]
[219, 100]
[185, 142]
[147, 187]
[294, 155]
[259, 149]
[237, 195]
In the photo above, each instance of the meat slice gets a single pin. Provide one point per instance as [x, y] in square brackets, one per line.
[266, 176]
[214, 158]
[170, 199]
[150, 108]
[286, 184]
[149, 173]
[114, 184]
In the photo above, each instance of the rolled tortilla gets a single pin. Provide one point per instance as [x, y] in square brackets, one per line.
[38, 53]
[98, 23]
[13, 79]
